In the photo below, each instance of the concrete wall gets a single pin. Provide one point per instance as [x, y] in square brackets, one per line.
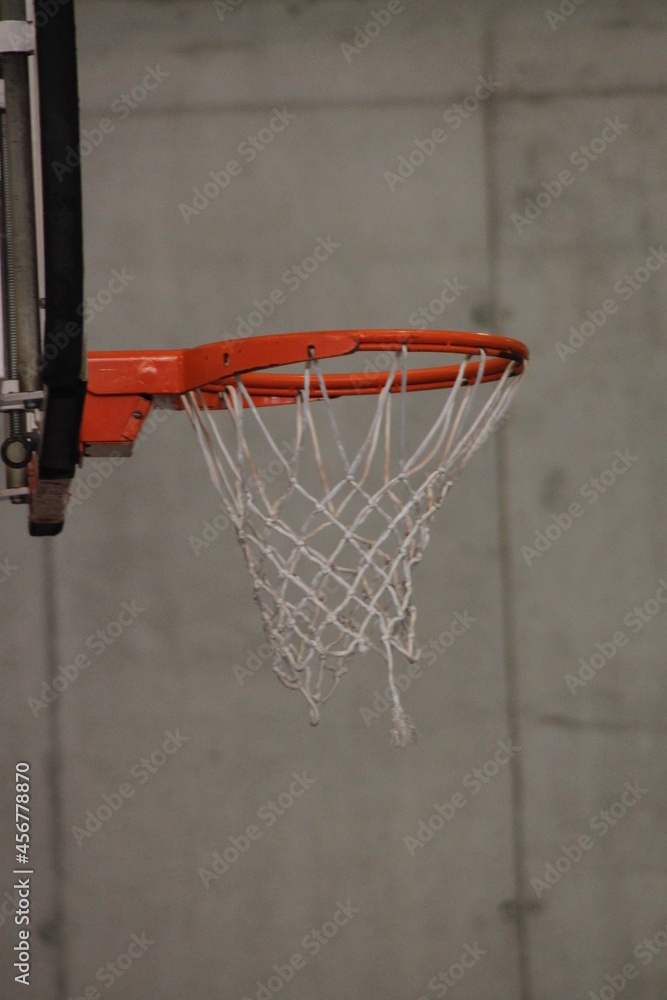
[482, 885]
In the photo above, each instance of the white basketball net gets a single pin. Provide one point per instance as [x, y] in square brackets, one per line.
[332, 561]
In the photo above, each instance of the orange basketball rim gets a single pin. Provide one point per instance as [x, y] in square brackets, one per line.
[122, 385]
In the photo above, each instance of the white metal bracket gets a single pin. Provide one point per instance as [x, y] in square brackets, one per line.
[17, 36]
[16, 491]
[12, 399]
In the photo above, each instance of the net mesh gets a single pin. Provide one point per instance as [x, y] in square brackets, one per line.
[331, 545]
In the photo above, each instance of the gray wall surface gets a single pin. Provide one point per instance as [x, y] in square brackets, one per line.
[551, 878]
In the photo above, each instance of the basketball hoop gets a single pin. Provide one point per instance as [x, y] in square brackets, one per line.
[331, 540]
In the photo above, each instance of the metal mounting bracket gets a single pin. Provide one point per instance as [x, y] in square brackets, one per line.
[14, 492]
[18, 400]
[17, 36]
